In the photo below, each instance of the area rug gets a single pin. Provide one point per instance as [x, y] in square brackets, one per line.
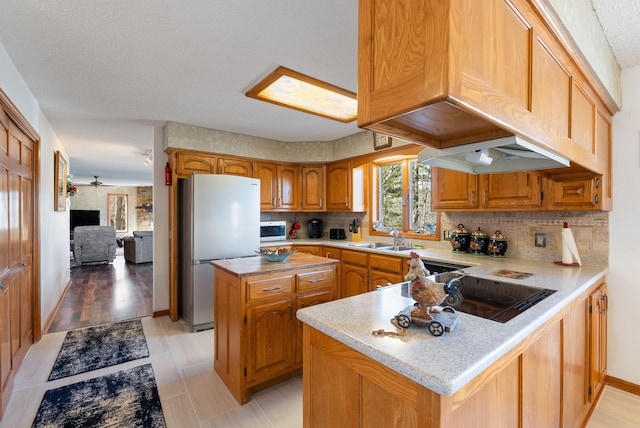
[93, 348]
[128, 398]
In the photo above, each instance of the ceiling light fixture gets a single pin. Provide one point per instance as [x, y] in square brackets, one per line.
[148, 157]
[295, 90]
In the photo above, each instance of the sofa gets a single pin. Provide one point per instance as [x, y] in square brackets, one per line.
[139, 247]
[93, 244]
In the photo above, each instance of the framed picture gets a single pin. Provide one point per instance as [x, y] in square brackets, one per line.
[60, 187]
[381, 141]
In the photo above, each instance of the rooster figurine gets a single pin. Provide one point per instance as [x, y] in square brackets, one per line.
[425, 292]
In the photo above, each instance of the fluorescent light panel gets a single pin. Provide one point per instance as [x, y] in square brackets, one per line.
[294, 90]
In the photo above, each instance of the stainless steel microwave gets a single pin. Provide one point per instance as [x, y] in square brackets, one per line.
[273, 231]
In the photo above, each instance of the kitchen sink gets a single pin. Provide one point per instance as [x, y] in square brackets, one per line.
[376, 245]
[379, 246]
[494, 300]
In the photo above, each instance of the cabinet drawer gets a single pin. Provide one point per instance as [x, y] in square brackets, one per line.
[315, 280]
[386, 263]
[355, 257]
[332, 253]
[268, 287]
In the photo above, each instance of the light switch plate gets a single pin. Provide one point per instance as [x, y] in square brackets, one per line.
[541, 240]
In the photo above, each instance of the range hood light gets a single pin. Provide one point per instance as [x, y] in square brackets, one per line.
[508, 154]
[479, 157]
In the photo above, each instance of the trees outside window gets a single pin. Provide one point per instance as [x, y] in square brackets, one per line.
[402, 197]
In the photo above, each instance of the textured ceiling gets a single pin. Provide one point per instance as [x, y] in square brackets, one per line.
[106, 72]
[620, 20]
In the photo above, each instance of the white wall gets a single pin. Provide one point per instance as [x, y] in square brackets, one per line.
[160, 225]
[623, 279]
[54, 226]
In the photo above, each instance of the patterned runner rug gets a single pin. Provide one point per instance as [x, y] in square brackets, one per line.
[128, 398]
[93, 348]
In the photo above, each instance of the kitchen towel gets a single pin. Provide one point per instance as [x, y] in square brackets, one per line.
[570, 254]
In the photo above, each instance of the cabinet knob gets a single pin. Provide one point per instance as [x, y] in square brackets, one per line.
[346, 201]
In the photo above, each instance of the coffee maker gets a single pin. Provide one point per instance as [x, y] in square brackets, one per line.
[314, 228]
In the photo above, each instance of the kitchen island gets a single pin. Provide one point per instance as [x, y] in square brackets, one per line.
[258, 339]
[543, 368]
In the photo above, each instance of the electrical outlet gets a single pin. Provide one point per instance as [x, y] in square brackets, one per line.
[541, 240]
[446, 235]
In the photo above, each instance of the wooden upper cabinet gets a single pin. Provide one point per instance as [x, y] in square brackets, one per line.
[267, 173]
[446, 73]
[579, 194]
[188, 163]
[288, 184]
[312, 187]
[454, 190]
[513, 190]
[339, 186]
[235, 166]
[550, 87]
[346, 186]
[279, 186]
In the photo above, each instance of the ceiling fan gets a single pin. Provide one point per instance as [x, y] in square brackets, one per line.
[96, 183]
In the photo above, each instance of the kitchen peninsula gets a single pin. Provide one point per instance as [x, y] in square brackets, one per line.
[545, 367]
[258, 339]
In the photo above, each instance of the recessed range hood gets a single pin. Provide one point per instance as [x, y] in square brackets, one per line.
[506, 154]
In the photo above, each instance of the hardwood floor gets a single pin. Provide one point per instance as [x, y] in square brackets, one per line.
[105, 293]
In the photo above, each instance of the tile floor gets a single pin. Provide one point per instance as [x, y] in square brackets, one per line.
[192, 394]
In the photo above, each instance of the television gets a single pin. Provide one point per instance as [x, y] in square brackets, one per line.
[83, 218]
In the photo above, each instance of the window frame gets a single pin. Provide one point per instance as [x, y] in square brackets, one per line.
[374, 198]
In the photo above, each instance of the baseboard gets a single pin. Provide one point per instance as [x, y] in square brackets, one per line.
[622, 384]
[53, 313]
[157, 314]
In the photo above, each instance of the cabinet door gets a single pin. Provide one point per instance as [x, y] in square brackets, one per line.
[542, 371]
[575, 194]
[312, 188]
[550, 85]
[5, 335]
[305, 301]
[380, 278]
[339, 186]
[575, 365]
[187, 163]
[288, 187]
[598, 308]
[4, 219]
[230, 166]
[267, 173]
[513, 190]
[354, 280]
[271, 340]
[454, 190]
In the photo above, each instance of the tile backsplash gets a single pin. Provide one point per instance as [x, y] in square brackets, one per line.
[590, 230]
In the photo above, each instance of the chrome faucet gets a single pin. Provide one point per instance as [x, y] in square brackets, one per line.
[394, 232]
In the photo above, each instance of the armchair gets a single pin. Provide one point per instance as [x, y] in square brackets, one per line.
[94, 244]
[139, 247]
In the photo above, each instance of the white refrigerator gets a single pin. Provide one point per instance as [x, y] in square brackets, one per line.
[219, 219]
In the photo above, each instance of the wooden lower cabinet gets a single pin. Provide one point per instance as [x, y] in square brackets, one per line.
[354, 278]
[316, 250]
[384, 270]
[271, 350]
[542, 382]
[258, 338]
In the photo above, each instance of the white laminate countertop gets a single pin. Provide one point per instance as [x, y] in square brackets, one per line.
[445, 364]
